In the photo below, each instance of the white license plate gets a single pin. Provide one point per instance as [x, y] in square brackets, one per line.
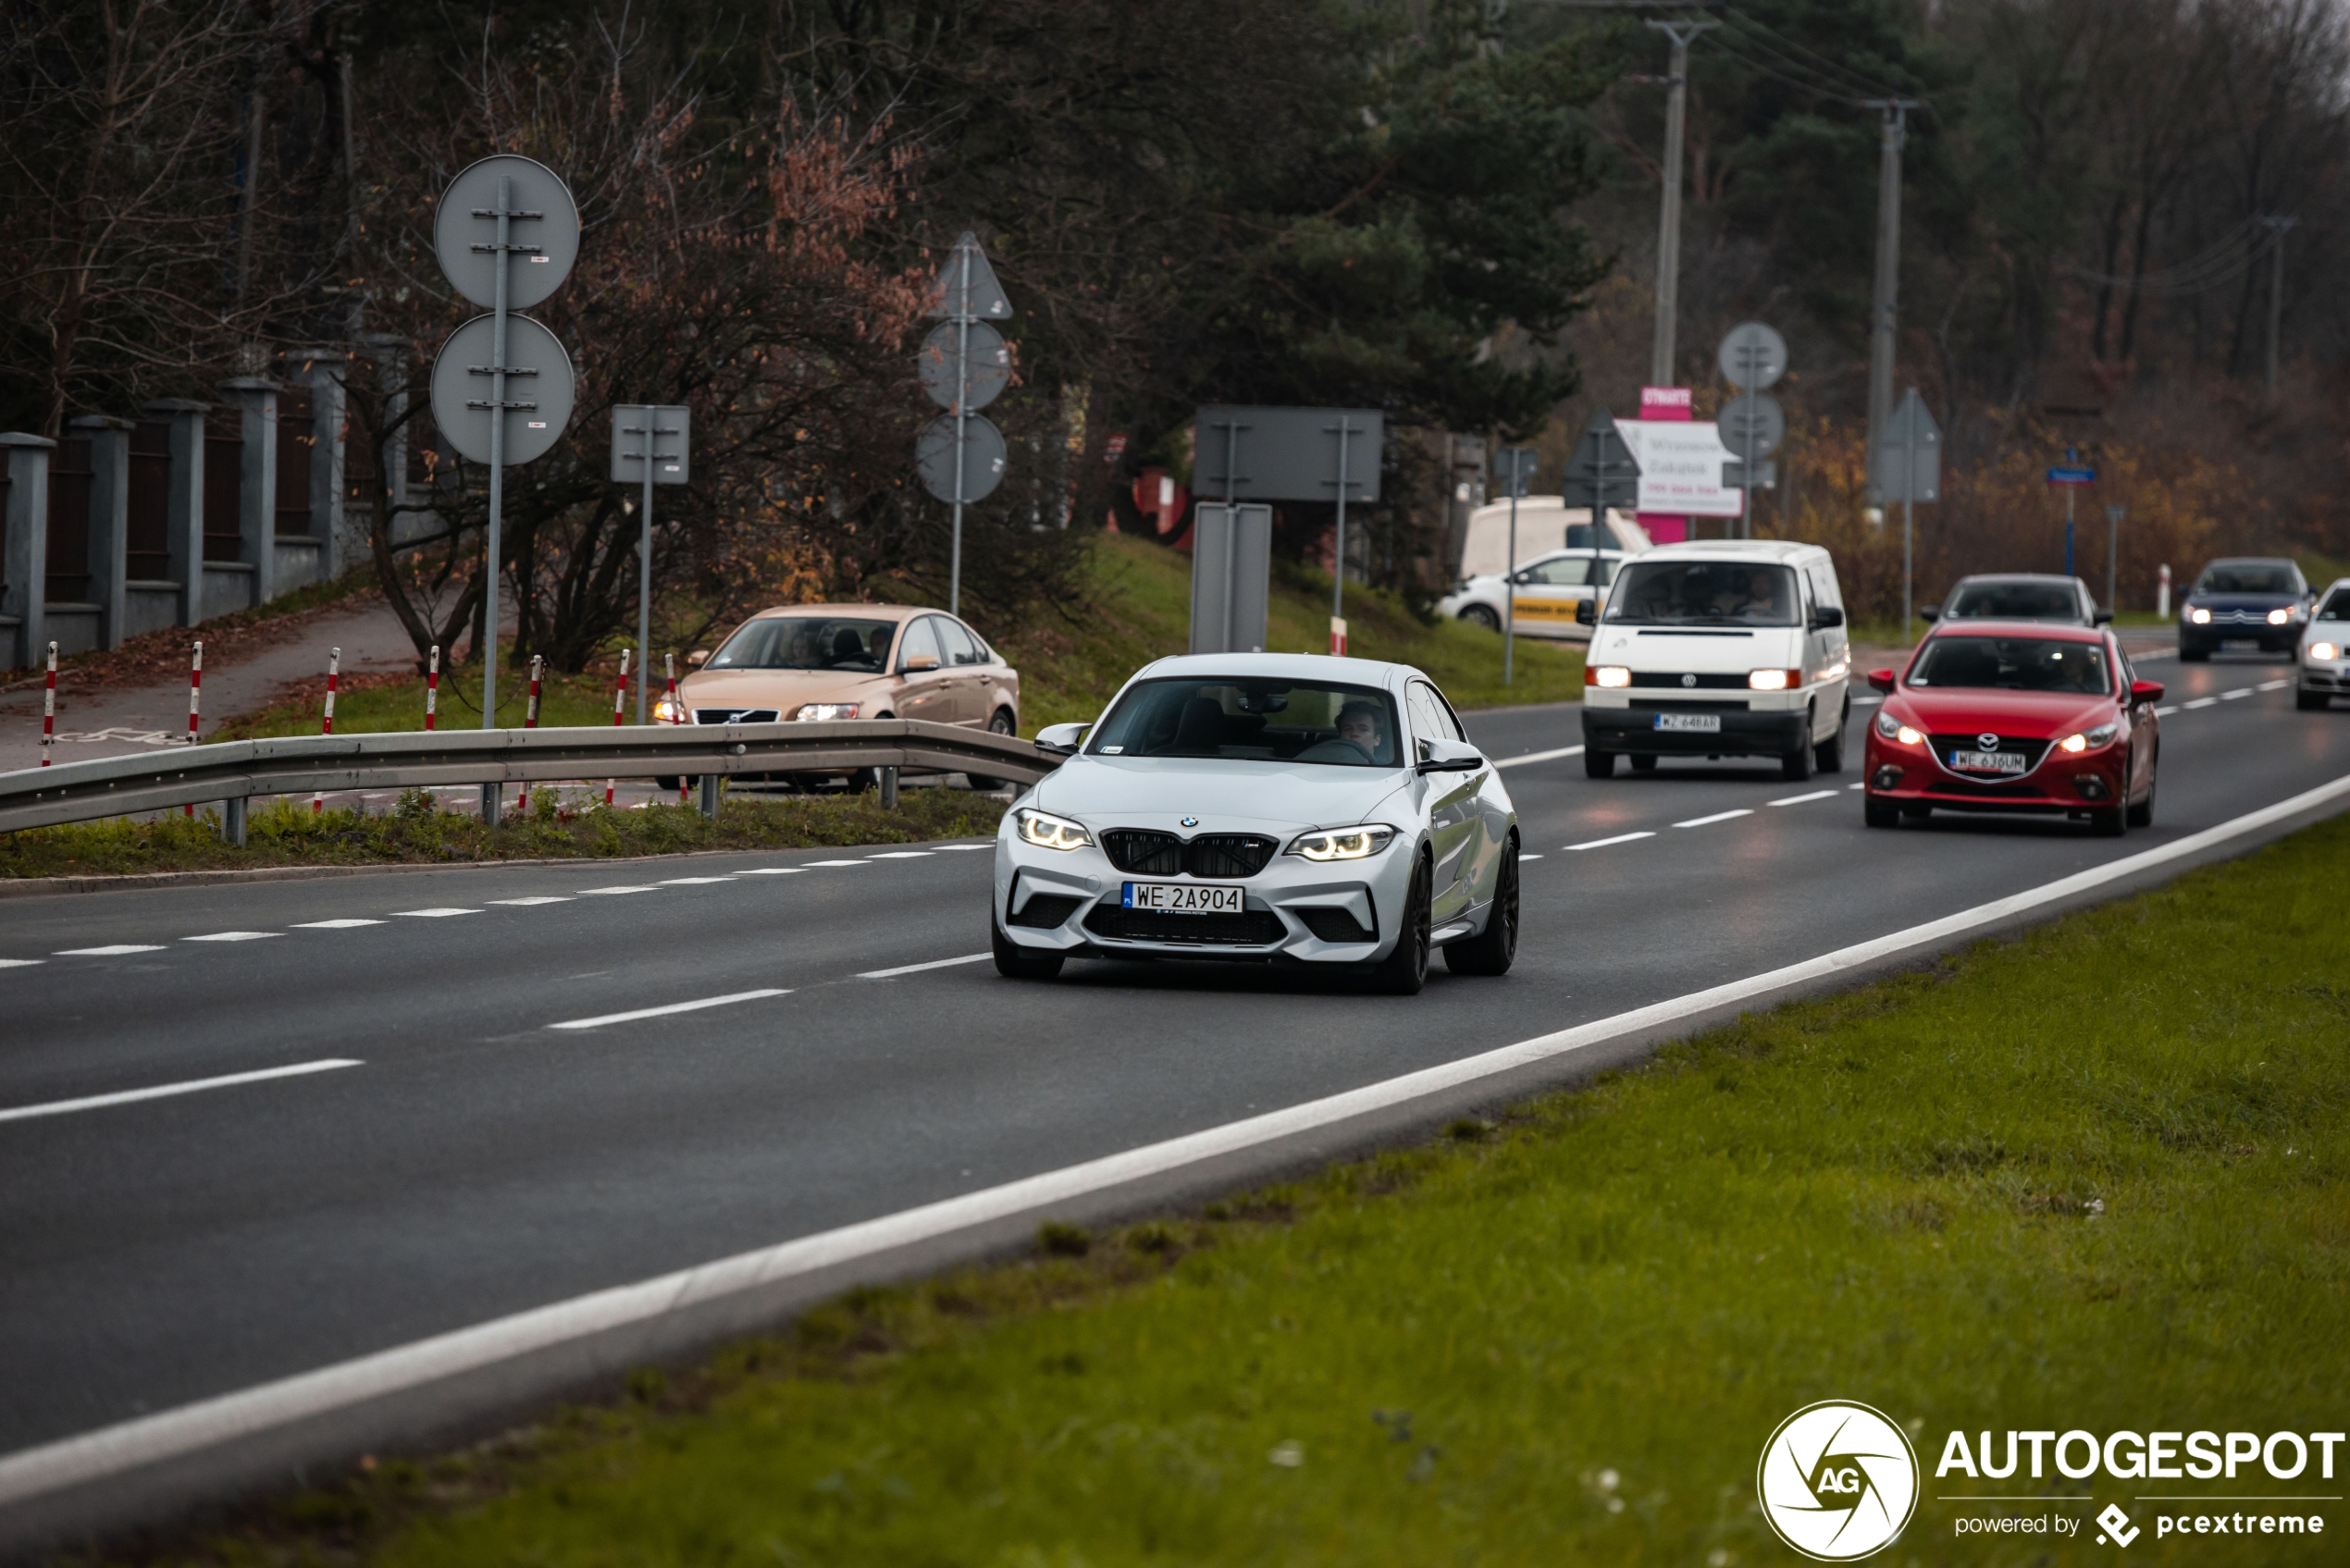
[1184, 899]
[2234, 645]
[1696, 724]
[1987, 761]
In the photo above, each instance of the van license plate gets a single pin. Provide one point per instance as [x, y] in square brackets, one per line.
[1184, 899]
[1987, 761]
[1695, 723]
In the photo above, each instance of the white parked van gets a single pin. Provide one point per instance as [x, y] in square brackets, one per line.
[1720, 648]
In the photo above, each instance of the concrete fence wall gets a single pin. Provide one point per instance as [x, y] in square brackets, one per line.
[194, 511]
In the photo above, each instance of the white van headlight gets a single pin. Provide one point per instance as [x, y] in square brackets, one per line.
[1611, 675]
[1358, 843]
[1047, 832]
[1773, 680]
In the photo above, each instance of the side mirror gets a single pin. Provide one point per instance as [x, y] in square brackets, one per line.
[1824, 616]
[1586, 612]
[2145, 691]
[919, 662]
[1931, 612]
[1449, 757]
[1881, 680]
[2102, 618]
[1061, 739]
[699, 658]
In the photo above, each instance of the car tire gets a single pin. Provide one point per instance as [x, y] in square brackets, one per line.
[1403, 972]
[2142, 814]
[1827, 757]
[1002, 724]
[1482, 616]
[1492, 951]
[1598, 764]
[2111, 821]
[1795, 766]
[669, 783]
[1880, 813]
[2312, 701]
[2194, 655]
[1015, 962]
[1644, 764]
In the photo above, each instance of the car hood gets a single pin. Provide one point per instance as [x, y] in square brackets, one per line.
[2030, 715]
[1158, 791]
[2243, 602]
[781, 690]
[1704, 650]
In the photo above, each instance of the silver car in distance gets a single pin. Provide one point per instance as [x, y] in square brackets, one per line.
[1282, 807]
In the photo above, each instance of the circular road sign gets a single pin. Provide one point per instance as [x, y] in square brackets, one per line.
[991, 364]
[982, 457]
[1753, 356]
[552, 237]
[461, 377]
[1752, 422]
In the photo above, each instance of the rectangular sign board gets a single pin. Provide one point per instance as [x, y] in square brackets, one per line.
[1681, 463]
[670, 438]
[1231, 574]
[1285, 453]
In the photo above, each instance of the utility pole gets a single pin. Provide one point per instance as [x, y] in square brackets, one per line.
[1668, 230]
[1885, 301]
[2278, 227]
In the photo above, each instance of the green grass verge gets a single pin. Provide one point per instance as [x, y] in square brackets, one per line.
[399, 704]
[2092, 1179]
[561, 824]
[1139, 610]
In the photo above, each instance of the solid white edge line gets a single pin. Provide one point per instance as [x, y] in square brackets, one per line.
[1717, 817]
[1603, 843]
[694, 1007]
[1538, 757]
[165, 1091]
[917, 968]
[110, 1450]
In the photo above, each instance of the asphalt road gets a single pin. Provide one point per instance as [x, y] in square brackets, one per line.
[477, 1158]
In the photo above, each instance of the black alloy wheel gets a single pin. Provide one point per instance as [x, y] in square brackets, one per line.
[2142, 814]
[1491, 951]
[1015, 962]
[1001, 725]
[1880, 813]
[1482, 616]
[1403, 972]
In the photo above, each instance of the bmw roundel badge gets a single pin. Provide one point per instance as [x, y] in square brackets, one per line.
[1191, 821]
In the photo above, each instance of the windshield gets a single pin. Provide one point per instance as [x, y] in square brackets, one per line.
[1703, 593]
[2246, 577]
[1250, 720]
[808, 642]
[2337, 606]
[2015, 601]
[2012, 664]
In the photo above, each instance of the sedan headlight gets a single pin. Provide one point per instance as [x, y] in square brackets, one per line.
[2200, 617]
[825, 711]
[2324, 651]
[2280, 617]
[664, 711]
[1611, 675]
[1048, 831]
[1893, 729]
[2102, 735]
[1358, 843]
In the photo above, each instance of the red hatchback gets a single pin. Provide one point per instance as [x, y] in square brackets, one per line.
[2015, 716]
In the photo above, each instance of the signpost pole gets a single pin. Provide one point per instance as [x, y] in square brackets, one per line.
[962, 420]
[2068, 530]
[1908, 515]
[490, 793]
[1509, 589]
[2113, 516]
[1746, 503]
[1338, 554]
[645, 564]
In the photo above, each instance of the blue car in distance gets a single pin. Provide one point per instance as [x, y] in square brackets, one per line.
[2246, 603]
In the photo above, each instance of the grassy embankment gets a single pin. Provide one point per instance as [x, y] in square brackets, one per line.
[2093, 1179]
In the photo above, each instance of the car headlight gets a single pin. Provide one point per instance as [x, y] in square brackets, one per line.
[2280, 617]
[1611, 675]
[1047, 832]
[1893, 729]
[1357, 843]
[2102, 735]
[664, 710]
[2324, 651]
[823, 711]
[2200, 617]
[1774, 680]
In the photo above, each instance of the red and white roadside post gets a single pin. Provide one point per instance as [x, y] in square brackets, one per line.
[196, 704]
[2161, 601]
[676, 714]
[529, 722]
[619, 695]
[327, 727]
[49, 707]
[432, 685]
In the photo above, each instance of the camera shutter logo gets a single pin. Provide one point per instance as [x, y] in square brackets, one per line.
[1837, 1481]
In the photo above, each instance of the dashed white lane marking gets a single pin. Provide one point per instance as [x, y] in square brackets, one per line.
[902, 855]
[1717, 817]
[771, 870]
[692, 881]
[2232, 696]
[830, 863]
[163, 1090]
[20, 963]
[1538, 757]
[1799, 799]
[1603, 843]
[2272, 685]
[432, 914]
[917, 968]
[1856, 786]
[233, 936]
[112, 950]
[2203, 702]
[2165, 713]
[335, 925]
[1522, 858]
[598, 891]
[534, 900]
[726, 1001]
[989, 845]
[1867, 701]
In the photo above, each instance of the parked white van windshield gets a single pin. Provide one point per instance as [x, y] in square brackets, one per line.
[1703, 593]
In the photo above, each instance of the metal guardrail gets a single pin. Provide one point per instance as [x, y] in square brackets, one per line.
[235, 770]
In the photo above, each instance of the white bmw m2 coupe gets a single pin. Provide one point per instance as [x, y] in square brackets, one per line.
[1285, 808]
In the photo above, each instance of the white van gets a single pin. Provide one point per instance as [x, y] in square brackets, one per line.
[1545, 524]
[1720, 648]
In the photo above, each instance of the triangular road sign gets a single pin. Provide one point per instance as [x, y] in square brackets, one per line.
[1603, 472]
[1907, 463]
[975, 296]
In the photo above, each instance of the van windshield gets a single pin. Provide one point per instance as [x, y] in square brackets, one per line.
[1703, 593]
